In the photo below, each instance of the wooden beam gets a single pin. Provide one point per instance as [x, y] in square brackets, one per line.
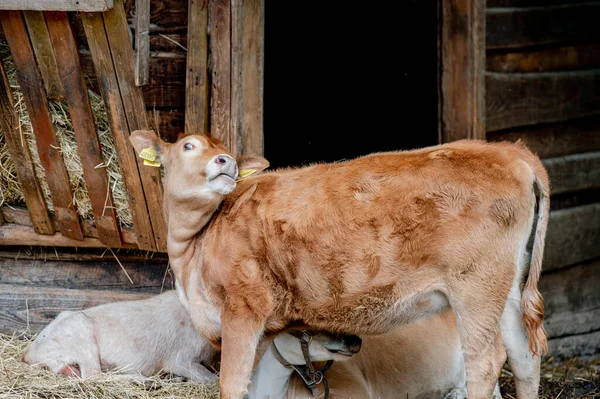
[142, 41]
[220, 53]
[44, 53]
[109, 87]
[555, 139]
[106, 274]
[247, 74]
[567, 58]
[573, 236]
[30, 309]
[57, 5]
[117, 32]
[84, 126]
[462, 67]
[19, 152]
[569, 23]
[519, 99]
[37, 107]
[572, 299]
[574, 172]
[196, 80]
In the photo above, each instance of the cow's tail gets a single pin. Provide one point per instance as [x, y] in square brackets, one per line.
[532, 302]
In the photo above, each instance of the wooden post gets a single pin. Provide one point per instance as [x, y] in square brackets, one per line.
[86, 132]
[462, 69]
[196, 79]
[247, 42]
[19, 152]
[40, 39]
[37, 106]
[142, 41]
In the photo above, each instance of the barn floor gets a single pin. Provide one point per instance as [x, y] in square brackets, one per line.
[560, 380]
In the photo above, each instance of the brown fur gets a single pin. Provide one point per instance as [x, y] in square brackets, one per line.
[297, 246]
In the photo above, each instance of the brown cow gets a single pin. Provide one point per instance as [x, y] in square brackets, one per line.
[360, 247]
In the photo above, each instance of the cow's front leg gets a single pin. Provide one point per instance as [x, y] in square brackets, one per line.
[241, 333]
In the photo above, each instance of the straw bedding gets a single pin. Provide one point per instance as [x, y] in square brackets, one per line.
[10, 191]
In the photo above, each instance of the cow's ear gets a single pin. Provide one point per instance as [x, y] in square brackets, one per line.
[149, 146]
[251, 164]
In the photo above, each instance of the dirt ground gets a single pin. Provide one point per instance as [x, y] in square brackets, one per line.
[561, 380]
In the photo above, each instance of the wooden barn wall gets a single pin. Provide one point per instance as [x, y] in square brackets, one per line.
[543, 87]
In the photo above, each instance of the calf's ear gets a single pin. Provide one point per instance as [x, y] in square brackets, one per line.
[251, 164]
[148, 145]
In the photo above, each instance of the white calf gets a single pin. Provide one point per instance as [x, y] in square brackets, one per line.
[134, 337]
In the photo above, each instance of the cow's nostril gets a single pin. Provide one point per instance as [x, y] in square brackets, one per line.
[220, 160]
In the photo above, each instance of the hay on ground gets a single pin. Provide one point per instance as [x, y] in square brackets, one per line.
[20, 381]
[10, 190]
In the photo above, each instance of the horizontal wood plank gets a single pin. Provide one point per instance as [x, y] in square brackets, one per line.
[572, 299]
[566, 58]
[555, 139]
[98, 275]
[56, 5]
[575, 345]
[518, 27]
[519, 99]
[573, 236]
[23, 308]
[574, 172]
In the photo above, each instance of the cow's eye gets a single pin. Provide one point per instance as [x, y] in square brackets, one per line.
[188, 146]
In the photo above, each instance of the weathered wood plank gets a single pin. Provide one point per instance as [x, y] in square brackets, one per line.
[167, 123]
[15, 234]
[529, 3]
[197, 85]
[57, 5]
[142, 41]
[567, 58]
[573, 236]
[532, 26]
[166, 16]
[556, 139]
[37, 107]
[462, 68]
[19, 152]
[44, 53]
[66, 254]
[117, 32]
[84, 126]
[27, 307]
[572, 299]
[97, 275]
[109, 87]
[220, 59]
[574, 172]
[19, 215]
[518, 99]
[247, 37]
[575, 345]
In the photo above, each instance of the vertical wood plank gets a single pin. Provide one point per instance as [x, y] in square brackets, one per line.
[142, 41]
[40, 40]
[219, 21]
[196, 79]
[84, 126]
[462, 69]
[19, 152]
[247, 64]
[117, 32]
[37, 106]
[109, 87]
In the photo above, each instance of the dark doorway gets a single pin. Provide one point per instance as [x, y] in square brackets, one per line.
[347, 79]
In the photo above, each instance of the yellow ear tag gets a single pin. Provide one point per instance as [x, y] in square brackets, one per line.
[149, 156]
[245, 173]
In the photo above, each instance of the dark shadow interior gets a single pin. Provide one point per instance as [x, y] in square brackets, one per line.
[346, 80]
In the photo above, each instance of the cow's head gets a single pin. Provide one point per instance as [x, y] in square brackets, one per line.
[196, 166]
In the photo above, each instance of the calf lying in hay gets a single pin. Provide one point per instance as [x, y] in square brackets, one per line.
[360, 247]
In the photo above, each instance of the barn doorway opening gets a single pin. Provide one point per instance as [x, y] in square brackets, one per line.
[342, 81]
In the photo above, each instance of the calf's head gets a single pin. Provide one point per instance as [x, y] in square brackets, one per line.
[196, 166]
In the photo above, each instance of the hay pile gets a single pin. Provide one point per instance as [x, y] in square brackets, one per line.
[20, 381]
[10, 191]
